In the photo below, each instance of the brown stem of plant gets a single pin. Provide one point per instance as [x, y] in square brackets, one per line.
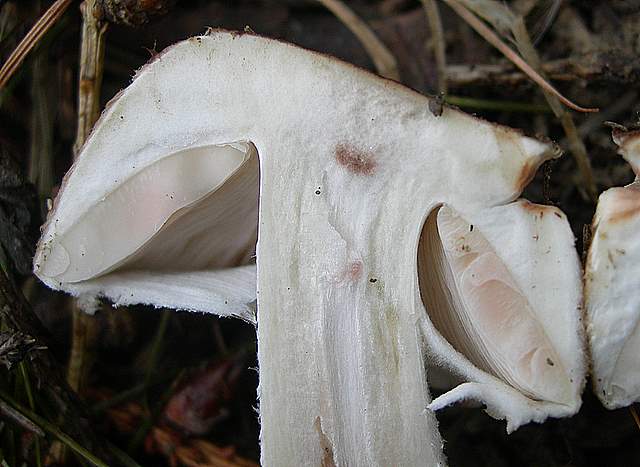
[42, 126]
[493, 39]
[584, 68]
[90, 80]
[576, 144]
[81, 347]
[383, 59]
[438, 42]
[91, 66]
[38, 30]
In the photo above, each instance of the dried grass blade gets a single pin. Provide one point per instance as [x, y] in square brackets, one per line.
[576, 144]
[383, 59]
[495, 41]
[38, 30]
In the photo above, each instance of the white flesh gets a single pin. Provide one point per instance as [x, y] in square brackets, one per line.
[350, 167]
[612, 288]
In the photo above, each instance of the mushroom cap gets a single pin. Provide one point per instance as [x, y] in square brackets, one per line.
[612, 286]
[628, 142]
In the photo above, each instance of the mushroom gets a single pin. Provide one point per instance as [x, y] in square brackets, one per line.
[371, 209]
[612, 285]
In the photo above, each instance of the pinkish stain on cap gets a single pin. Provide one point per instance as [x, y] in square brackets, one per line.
[354, 160]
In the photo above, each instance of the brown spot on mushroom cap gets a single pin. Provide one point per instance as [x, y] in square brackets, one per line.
[354, 160]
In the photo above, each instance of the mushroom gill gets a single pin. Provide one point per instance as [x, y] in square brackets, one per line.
[186, 196]
[474, 302]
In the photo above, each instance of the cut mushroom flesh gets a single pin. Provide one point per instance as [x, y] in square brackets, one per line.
[350, 166]
[612, 287]
[474, 302]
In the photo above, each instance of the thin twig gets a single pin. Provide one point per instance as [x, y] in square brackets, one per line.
[80, 341]
[90, 80]
[38, 30]
[128, 394]
[156, 347]
[438, 42]
[32, 405]
[52, 430]
[383, 59]
[41, 172]
[584, 68]
[495, 12]
[576, 144]
[495, 41]
[91, 67]
[122, 456]
[9, 412]
[8, 20]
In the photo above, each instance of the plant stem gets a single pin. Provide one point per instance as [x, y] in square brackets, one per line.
[53, 430]
[32, 406]
[500, 105]
[438, 42]
[493, 39]
[41, 149]
[90, 80]
[91, 68]
[122, 456]
[82, 327]
[576, 144]
[129, 394]
[382, 58]
[156, 347]
[38, 30]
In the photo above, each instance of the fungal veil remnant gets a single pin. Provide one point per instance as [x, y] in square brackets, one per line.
[349, 167]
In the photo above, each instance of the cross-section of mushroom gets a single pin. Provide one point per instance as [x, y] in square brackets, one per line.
[354, 173]
[612, 286]
[498, 285]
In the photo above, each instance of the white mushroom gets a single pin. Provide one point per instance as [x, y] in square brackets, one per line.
[360, 187]
[612, 286]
